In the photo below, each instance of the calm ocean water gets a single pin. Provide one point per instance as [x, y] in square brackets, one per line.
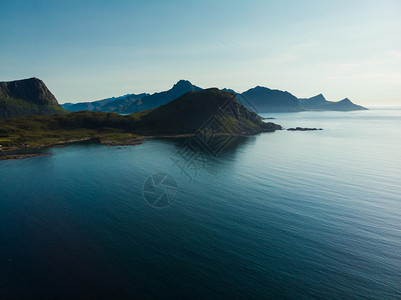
[287, 214]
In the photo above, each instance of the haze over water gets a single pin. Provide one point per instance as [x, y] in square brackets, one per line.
[284, 214]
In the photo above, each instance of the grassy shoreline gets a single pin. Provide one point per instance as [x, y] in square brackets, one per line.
[211, 112]
[126, 139]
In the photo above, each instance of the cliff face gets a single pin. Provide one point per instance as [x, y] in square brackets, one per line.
[32, 89]
[27, 97]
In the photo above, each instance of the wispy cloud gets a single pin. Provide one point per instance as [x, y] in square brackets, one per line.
[384, 68]
[394, 53]
[286, 55]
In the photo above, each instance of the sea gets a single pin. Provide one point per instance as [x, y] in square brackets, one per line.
[288, 215]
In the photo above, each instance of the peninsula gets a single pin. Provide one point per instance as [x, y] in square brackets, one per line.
[185, 116]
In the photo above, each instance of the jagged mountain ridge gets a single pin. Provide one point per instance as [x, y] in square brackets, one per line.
[22, 97]
[258, 99]
[104, 104]
[133, 103]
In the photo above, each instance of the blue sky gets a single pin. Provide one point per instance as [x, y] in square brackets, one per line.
[88, 50]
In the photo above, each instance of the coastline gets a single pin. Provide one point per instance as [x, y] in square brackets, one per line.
[13, 153]
[22, 155]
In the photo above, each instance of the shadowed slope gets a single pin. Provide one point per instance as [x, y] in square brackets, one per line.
[193, 110]
[266, 100]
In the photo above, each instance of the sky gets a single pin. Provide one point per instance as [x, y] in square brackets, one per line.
[90, 50]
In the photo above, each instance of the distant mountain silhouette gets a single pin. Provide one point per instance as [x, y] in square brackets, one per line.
[230, 90]
[209, 116]
[188, 113]
[115, 103]
[266, 100]
[27, 97]
[258, 99]
[243, 100]
[319, 102]
[134, 103]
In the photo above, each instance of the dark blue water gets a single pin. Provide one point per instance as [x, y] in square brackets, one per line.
[286, 214]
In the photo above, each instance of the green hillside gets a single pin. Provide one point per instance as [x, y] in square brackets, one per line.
[188, 114]
[11, 107]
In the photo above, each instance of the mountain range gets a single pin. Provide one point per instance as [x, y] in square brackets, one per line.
[205, 113]
[133, 103]
[114, 103]
[32, 97]
[258, 99]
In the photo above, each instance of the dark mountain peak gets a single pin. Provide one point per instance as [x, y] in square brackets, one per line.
[230, 90]
[263, 89]
[260, 88]
[345, 100]
[263, 99]
[318, 99]
[183, 82]
[195, 109]
[32, 89]
[184, 85]
[131, 103]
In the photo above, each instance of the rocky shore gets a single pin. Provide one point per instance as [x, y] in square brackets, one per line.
[21, 156]
[303, 129]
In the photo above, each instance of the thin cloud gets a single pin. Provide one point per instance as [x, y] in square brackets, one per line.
[394, 53]
[290, 54]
